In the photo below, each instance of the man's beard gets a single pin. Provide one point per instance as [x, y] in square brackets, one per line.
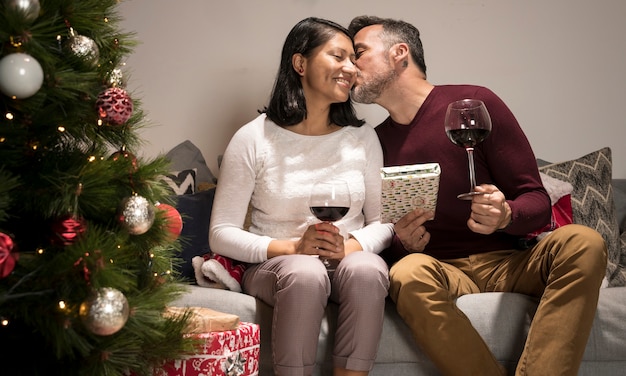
[368, 92]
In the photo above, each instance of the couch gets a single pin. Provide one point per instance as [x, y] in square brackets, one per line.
[502, 319]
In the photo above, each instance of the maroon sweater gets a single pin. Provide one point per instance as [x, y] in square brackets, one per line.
[504, 159]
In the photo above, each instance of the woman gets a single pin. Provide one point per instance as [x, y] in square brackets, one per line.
[308, 131]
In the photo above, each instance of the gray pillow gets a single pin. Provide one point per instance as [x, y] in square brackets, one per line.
[592, 200]
[185, 156]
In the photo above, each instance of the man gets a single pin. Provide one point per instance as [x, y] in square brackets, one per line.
[470, 246]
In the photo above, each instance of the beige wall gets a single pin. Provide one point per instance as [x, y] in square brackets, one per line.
[205, 67]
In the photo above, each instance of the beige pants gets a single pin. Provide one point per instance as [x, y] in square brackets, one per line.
[298, 287]
[564, 271]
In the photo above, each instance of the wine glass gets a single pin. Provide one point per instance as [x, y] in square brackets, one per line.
[329, 202]
[467, 124]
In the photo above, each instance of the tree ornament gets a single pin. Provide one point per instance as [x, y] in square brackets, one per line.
[21, 75]
[28, 8]
[67, 230]
[83, 47]
[105, 312]
[136, 214]
[114, 106]
[8, 258]
[115, 78]
[123, 155]
[174, 220]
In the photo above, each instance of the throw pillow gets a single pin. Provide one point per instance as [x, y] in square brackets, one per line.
[592, 199]
[560, 193]
[181, 182]
[195, 210]
[186, 155]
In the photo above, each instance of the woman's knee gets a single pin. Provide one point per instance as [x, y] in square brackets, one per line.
[305, 275]
[364, 269]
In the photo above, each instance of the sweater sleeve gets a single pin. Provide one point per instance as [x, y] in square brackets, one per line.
[374, 236]
[513, 168]
[232, 196]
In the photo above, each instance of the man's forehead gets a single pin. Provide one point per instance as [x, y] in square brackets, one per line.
[366, 34]
[370, 30]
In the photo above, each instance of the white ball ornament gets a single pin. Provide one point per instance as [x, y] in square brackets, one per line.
[21, 75]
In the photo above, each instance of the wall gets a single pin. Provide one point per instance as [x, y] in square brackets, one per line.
[204, 68]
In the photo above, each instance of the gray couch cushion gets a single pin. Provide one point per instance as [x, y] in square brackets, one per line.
[502, 319]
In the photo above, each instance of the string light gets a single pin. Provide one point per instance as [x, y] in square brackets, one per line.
[61, 128]
[9, 116]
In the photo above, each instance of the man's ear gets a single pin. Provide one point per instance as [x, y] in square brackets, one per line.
[298, 62]
[399, 53]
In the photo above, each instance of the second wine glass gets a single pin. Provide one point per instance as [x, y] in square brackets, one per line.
[329, 201]
[467, 124]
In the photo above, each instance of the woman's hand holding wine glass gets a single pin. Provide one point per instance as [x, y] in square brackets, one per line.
[329, 202]
[467, 124]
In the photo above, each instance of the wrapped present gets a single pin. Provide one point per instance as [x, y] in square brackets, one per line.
[226, 353]
[407, 187]
[204, 320]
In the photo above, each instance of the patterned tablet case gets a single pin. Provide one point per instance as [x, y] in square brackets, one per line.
[405, 188]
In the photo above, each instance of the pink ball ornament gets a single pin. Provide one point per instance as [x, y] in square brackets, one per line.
[114, 106]
[21, 76]
[8, 258]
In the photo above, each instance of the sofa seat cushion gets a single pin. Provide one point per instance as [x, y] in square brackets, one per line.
[502, 319]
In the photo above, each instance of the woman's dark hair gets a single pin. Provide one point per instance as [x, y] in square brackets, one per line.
[287, 105]
[394, 31]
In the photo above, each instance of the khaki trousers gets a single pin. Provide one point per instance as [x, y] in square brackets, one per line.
[564, 270]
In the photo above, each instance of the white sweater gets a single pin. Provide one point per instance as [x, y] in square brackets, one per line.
[274, 169]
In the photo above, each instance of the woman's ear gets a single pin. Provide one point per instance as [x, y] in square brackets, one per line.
[297, 60]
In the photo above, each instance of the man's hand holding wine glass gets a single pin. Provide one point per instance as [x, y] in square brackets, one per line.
[490, 210]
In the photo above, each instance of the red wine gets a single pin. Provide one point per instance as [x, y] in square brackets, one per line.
[329, 213]
[467, 137]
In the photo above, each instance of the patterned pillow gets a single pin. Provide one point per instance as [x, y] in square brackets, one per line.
[592, 199]
[181, 182]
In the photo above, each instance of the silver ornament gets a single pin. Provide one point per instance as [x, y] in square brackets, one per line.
[115, 78]
[136, 214]
[105, 312]
[28, 8]
[83, 47]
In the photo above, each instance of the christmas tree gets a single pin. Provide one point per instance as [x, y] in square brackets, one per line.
[87, 231]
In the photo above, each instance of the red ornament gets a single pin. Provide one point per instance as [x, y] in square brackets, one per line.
[123, 155]
[114, 106]
[8, 259]
[174, 220]
[67, 230]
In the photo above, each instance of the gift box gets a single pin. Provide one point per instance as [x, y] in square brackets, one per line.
[226, 353]
[202, 320]
[407, 187]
